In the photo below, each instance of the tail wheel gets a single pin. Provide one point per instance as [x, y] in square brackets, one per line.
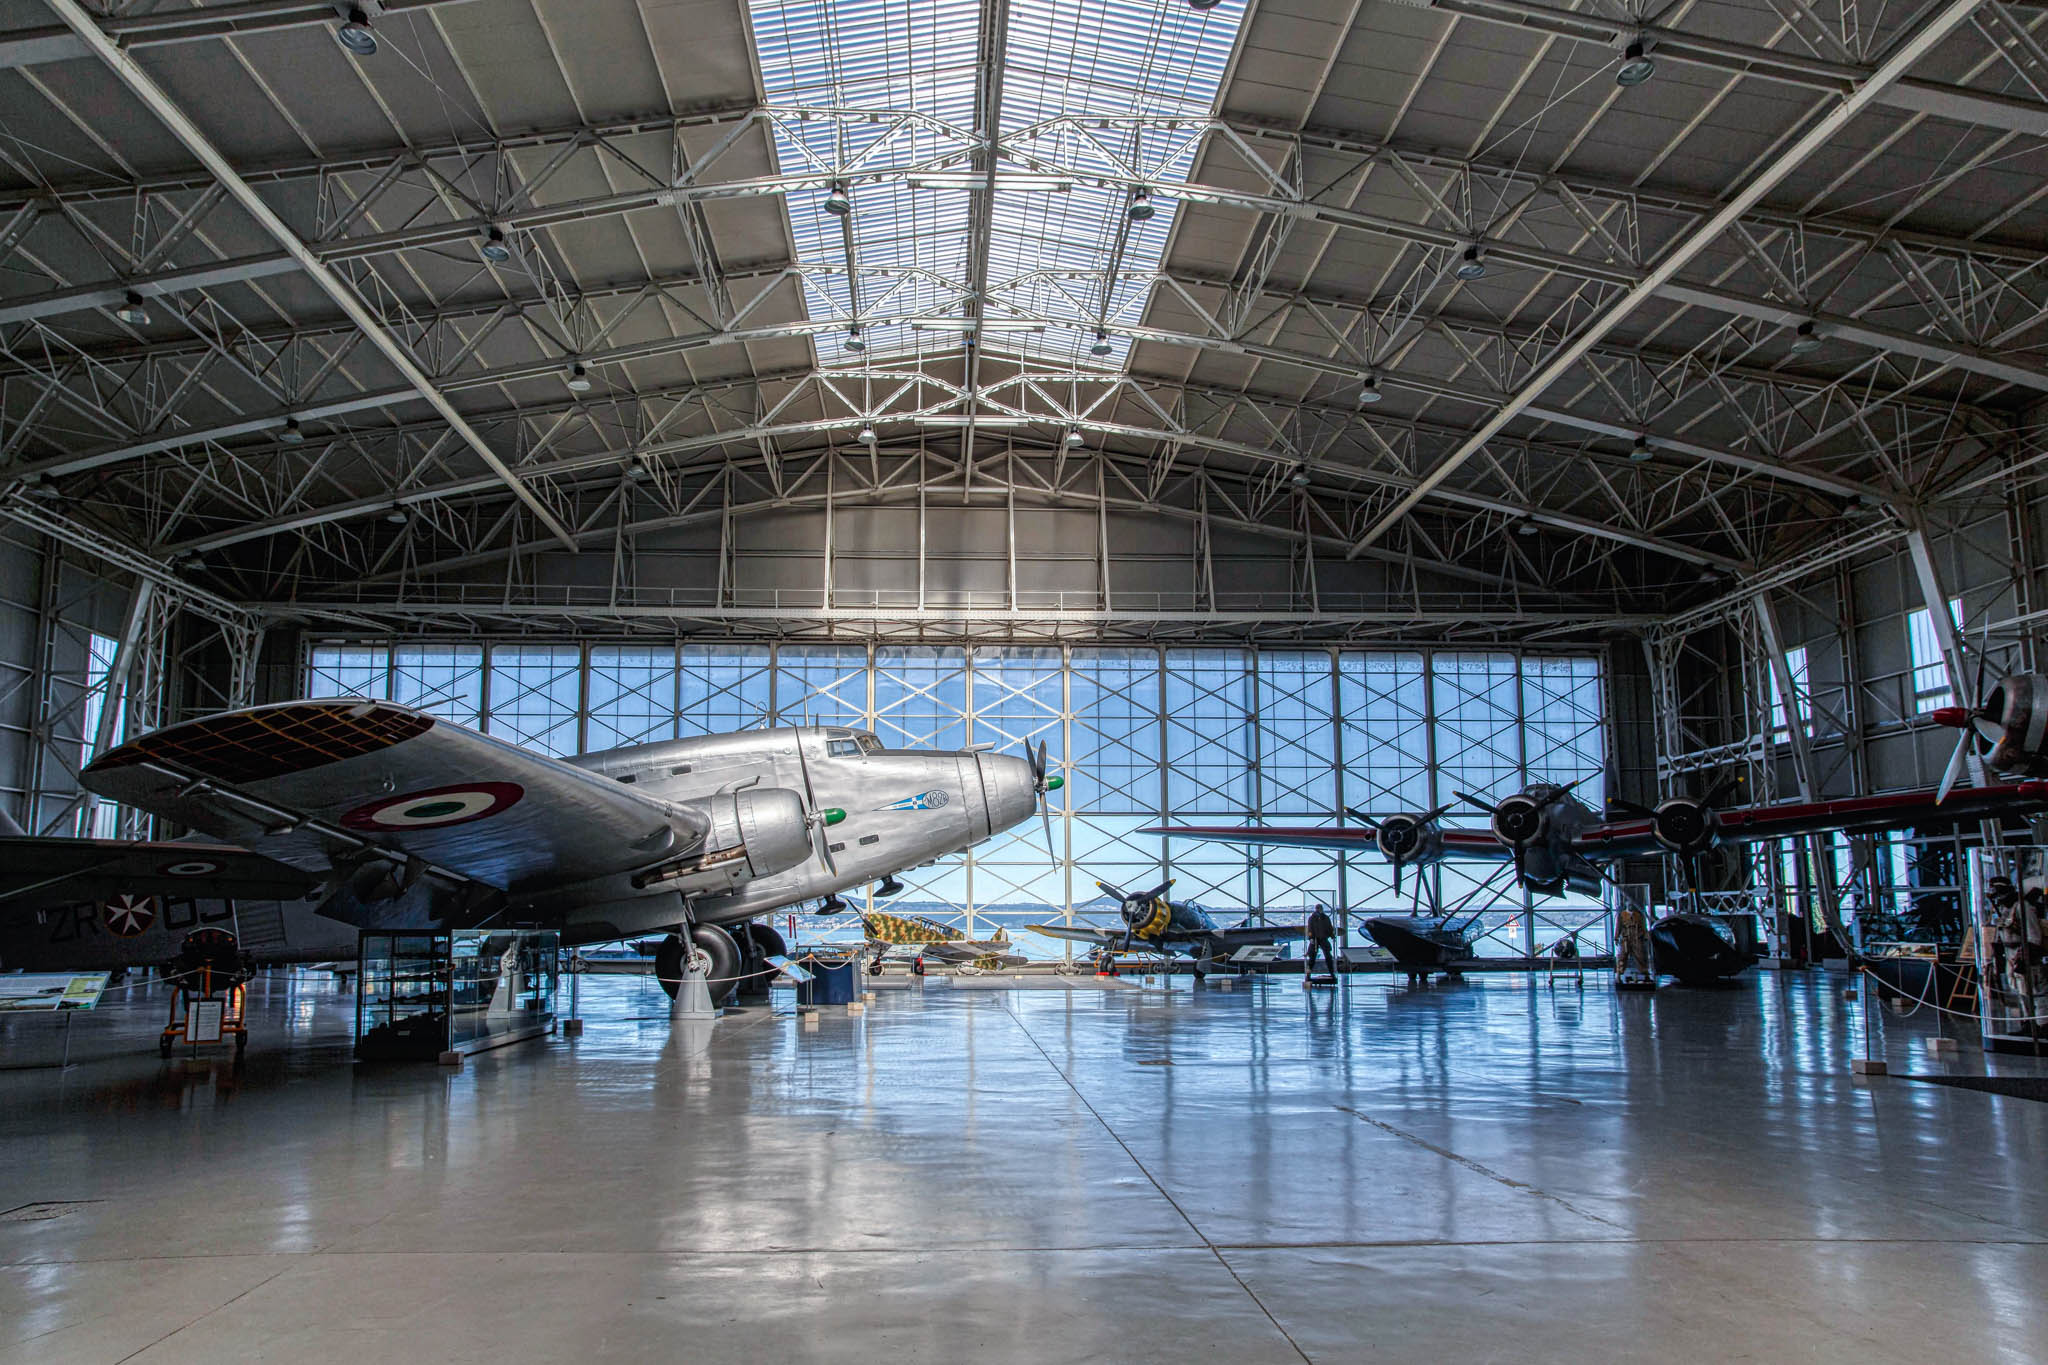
[717, 945]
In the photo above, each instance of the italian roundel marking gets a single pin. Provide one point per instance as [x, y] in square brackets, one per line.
[189, 867]
[127, 916]
[436, 808]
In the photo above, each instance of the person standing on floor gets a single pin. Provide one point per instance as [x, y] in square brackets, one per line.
[1321, 935]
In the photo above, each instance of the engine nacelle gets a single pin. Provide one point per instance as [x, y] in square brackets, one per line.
[2018, 708]
[1406, 838]
[756, 832]
[1683, 825]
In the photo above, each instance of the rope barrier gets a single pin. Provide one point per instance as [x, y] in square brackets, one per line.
[1926, 1001]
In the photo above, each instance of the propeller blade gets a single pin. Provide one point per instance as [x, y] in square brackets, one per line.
[1630, 808]
[1955, 768]
[1362, 818]
[1116, 891]
[1719, 790]
[1521, 861]
[1045, 818]
[1431, 816]
[1976, 697]
[822, 841]
[1397, 876]
[1038, 761]
[1160, 890]
[1469, 798]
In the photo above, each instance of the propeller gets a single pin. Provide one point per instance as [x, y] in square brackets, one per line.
[1136, 910]
[820, 819]
[1042, 784]
[1984, 718]
[1362, 818]
[1401, 836]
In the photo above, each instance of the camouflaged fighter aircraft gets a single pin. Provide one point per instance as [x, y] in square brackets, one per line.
[941, 942]
[1169, 927]
[392, 818]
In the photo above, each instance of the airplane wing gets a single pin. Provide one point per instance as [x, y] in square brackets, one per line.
[39, 871]
[1458, 843]
[1852, 815]
[310, 782]
[1247, 935]
[1079, 933]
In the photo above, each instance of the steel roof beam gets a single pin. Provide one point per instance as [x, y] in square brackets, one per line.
[1904, 56]
[55, 43]
[174, 119]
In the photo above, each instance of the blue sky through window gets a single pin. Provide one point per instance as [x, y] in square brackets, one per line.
[1103, 64]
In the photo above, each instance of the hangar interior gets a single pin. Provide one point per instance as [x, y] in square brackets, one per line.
[1276, 410]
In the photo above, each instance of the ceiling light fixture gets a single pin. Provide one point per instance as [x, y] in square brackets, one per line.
[839, 200]
[1101, 345]
[1369, 392]
[397, 516]
[1640, 451]
[1527, 527]
[1301, 479]
[637, 470]
[866, 436]
[292, 434]
[579, 378]
[1199, 6]
[1636, 66]
[494, 248]
[853, 341]
[1805, 340]
[44, 487]
[1141, 207]
[1472, 264]
[131, 310]
[355, 35]
[1075, 440]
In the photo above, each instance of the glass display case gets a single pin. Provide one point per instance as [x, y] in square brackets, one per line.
[425, 996]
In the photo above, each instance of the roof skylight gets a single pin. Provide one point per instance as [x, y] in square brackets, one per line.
[1084, 95]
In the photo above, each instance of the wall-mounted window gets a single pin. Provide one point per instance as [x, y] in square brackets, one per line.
[1930, 670]
[1795, 664]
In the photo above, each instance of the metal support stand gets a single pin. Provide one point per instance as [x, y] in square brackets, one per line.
[693, 995]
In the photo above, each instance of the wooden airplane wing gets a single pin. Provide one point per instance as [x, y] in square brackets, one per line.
[312, 782]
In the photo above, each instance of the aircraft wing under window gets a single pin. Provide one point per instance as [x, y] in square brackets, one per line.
[312, 782]
[38, 871]
[1458, 843]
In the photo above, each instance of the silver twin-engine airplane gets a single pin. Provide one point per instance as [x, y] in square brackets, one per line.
[385, 817]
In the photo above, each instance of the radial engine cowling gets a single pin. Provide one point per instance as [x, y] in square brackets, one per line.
[2018, 707]
[1683, 825]
[1147, 916]
[1406, 838]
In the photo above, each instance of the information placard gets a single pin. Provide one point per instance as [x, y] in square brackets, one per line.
[202, 1023]
[34, 991]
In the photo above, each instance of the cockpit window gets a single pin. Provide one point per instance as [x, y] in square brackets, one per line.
[869, 744]
[842, 748]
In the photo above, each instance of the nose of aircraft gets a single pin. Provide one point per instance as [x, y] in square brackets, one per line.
[1007, 786]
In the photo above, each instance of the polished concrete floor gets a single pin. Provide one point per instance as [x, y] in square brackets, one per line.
[1492, 1171]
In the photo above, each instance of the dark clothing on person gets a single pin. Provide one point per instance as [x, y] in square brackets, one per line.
[1321, 933]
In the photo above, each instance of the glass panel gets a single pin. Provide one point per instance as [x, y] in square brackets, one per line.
[632, 696]
[722, 688]
[534, 695]
[348, 670]
[447, 680]
[822, 685]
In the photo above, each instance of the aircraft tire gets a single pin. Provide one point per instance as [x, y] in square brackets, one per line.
[767, 942]
[669, 960]
[725, 958]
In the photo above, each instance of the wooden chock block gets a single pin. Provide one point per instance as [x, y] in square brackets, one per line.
[1943, 1045]
[572, 1028]
[453, 1059]
[1869, 1066]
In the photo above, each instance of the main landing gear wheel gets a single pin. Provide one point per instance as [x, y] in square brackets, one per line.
[758, 942]
[718, 945]
[672, 959]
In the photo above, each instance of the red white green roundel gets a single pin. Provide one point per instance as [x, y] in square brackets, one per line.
[435, 808]
[127, 916]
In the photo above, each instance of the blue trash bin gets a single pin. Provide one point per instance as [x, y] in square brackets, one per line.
[831, 982]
